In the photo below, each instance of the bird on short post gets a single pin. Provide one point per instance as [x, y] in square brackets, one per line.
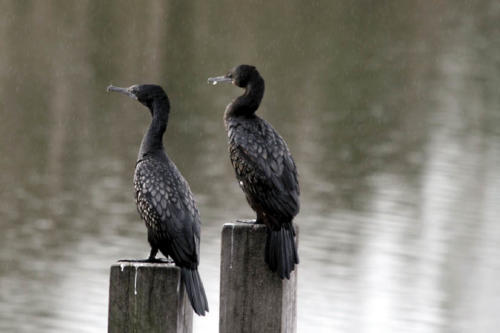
[264, 168]
[164, 199]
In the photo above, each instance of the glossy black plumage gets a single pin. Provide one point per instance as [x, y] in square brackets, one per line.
[264, 168]
[166, 205]
[164, 199]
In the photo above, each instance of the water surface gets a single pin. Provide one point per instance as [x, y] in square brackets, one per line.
[390, 110]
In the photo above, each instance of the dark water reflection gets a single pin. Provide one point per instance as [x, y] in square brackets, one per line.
[391, 111]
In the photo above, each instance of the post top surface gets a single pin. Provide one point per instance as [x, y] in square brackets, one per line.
[249, 226]
[244, 225]
[123, 264]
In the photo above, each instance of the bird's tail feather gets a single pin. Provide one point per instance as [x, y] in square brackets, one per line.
[281, 250]
[195, 291]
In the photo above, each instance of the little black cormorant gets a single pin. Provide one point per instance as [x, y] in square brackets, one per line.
[264, 168]
[164, 199]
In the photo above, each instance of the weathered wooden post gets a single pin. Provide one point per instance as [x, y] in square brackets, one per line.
[252, 298]
[147, 297]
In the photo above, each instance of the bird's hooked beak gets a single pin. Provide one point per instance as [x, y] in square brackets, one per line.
[217, 79]
[125, 91]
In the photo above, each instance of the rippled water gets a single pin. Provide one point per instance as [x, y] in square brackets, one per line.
[391, 111]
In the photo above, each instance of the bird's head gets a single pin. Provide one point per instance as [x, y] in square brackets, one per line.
[144, 93]
[240, 76]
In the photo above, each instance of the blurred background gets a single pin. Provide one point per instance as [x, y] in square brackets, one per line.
[390, 109]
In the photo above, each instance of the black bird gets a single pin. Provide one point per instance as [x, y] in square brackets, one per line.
[164, 199]
[264, 168]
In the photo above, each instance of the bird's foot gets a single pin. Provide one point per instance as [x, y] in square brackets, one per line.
[254, 221]
[149, 260]
[165, 260]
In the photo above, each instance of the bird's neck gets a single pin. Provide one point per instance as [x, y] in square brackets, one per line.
[152, 142]
[248, 103]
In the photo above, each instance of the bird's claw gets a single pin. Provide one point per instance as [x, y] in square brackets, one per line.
[149, 260]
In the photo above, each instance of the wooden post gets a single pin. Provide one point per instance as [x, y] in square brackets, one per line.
[252, 298]
[147, 297]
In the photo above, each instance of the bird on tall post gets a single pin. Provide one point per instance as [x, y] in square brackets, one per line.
[264, 168]
[163, 197]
